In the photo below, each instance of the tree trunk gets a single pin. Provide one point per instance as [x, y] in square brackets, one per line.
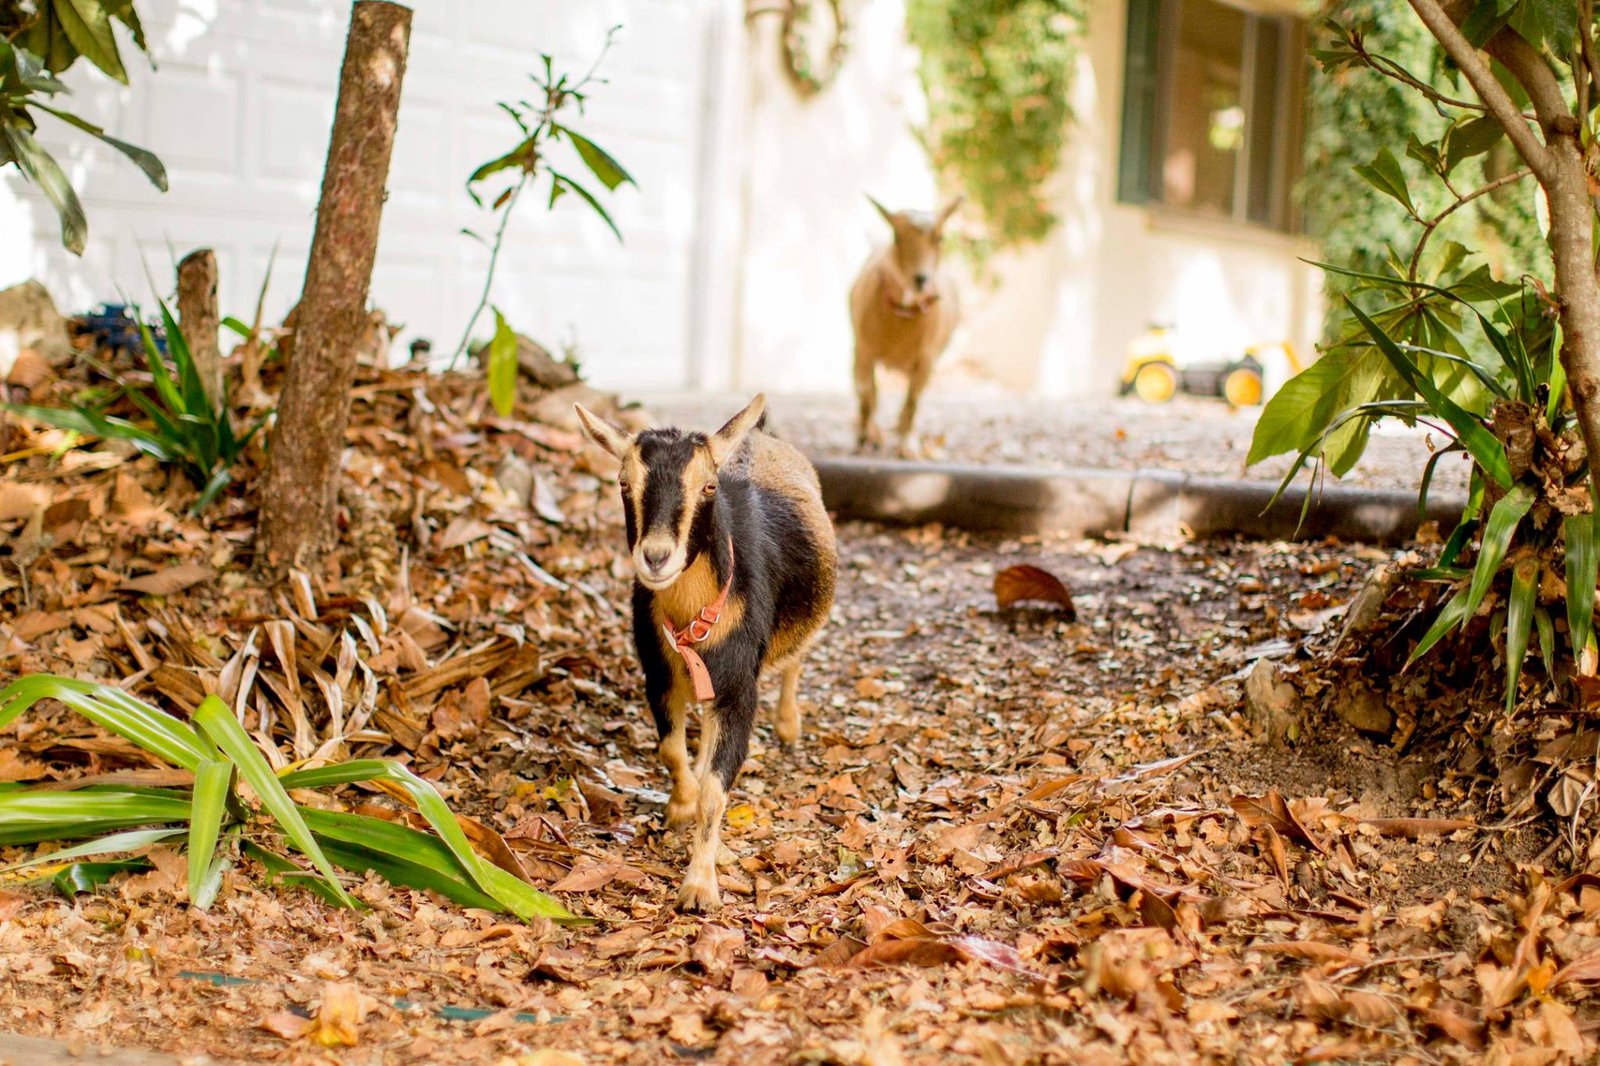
[298, 495]
[1577, 290]
[197, 313]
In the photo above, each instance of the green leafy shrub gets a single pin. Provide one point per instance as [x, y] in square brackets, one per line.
[1432, 337]
[214, 821]
[998, 76]
[37, 41]
[187, 428]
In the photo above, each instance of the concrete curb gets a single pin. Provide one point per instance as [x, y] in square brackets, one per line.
[1097, 502]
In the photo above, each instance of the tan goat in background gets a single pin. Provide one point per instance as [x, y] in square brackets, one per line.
[904, 308]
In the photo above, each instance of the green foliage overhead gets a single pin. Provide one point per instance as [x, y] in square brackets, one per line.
[186, 427]
[37, 41]
[1355, 114]
[215, 822]
[998, 76]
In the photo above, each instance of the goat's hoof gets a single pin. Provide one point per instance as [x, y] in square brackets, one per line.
[699, 895]
[680, 811]
[789, 733]
[909, 448]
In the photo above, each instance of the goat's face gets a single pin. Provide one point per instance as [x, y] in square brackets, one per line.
[918, 240]
[669, 481]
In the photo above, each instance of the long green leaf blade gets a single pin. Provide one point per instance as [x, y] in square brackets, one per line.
[142, 158]
[518, 897]
[1519, 624]
[214, 717]
[134, 840]
[211, 782]
[1452, 614]
[111, 708]
[598, 160]
[42, 169]
[1582, 563]
[561, 181]
[1485, 449]
[1504, 518]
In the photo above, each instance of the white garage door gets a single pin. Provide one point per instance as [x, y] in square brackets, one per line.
[239, 109]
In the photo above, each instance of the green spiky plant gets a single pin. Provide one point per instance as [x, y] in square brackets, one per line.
[213, 819]
[186, 427]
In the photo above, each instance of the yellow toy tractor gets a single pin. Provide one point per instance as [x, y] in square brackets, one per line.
[1155, 373]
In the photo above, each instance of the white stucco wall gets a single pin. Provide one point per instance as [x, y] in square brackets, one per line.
[239, 110]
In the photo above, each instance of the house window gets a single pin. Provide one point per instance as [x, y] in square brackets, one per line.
[1211, 110]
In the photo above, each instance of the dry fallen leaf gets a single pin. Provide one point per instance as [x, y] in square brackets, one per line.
[1019, 584]
[1272, 810]
[338, 1021]
[543, 1057]
[287, 1025]
[166, 582]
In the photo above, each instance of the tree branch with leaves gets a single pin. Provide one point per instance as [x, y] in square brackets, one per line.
[541, 126]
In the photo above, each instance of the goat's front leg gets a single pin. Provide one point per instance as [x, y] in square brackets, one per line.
[724, 741]
[669, 706]
[916, 381]
[867, 431]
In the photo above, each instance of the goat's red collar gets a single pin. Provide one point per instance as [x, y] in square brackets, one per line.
[911, 310]
[699, 628]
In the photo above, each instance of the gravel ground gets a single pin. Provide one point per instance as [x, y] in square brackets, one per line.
[982, 425]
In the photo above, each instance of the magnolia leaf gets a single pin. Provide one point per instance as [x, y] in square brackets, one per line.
[1016, 584]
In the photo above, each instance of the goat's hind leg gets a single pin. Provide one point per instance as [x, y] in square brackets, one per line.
[789, 703]
[724, 742]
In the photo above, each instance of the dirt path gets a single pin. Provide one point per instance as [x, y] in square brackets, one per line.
[1006, 838]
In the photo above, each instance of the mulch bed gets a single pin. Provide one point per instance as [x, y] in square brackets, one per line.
[1006, 836]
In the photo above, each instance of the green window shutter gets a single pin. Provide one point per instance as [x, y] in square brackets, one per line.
[1140, 85]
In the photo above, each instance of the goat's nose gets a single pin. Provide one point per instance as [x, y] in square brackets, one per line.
[920, 281]
[655, 557]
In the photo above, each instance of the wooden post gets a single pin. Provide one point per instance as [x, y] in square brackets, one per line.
[197, 313]
[301, 484]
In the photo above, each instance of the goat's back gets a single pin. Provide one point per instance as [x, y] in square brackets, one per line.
[795, 531]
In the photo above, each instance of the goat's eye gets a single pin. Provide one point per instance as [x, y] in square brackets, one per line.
[710, 489]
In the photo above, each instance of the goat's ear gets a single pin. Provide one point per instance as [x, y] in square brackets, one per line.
[602, 432]
[725, 441]
[949, 209]
[888, 215]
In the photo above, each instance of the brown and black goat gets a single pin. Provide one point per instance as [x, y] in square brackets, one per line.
[734, 563]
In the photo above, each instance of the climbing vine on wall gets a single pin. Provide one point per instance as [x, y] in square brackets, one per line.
[1353, 113]
[998, 76]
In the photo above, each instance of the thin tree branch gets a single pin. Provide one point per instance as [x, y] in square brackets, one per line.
[1544, 89]
[494, 261]
[1390, 69]
[1487, 86]
[1432, 224]
[1586, 47]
